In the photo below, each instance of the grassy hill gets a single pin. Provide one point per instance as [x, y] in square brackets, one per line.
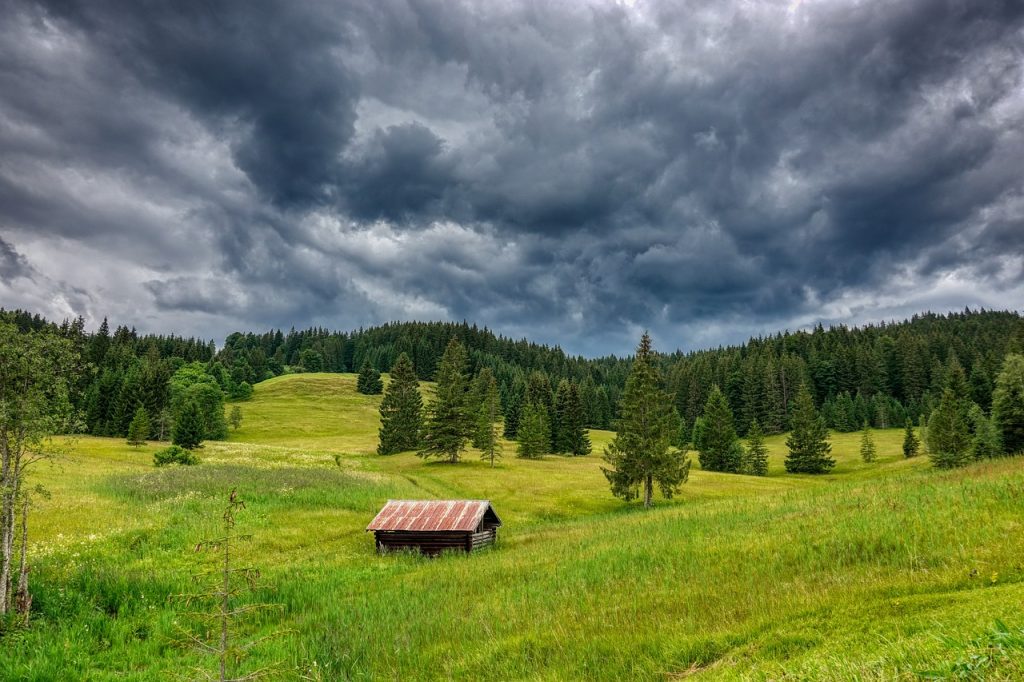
[878, 571]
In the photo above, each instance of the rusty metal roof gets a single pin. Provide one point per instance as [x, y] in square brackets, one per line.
[429, 515]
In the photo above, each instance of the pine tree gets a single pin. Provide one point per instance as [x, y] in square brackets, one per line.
[138, 430]
[369, 381]
[534, 432]
[487, 426]
[756, 454]
[808, 441]
[716, 442]
[1008, 404]
[188, 426]
[642, 451]
[400, 410]
[985, 441]
[948, 437]
[449, 424]
[911, 445]
[867, 445]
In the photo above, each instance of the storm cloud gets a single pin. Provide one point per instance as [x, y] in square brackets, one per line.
[572, 172]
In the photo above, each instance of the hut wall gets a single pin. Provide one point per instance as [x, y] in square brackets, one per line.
[434, 542]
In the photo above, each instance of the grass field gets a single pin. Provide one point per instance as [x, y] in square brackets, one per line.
[874, 572]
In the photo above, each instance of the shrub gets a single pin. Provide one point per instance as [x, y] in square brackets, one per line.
[174, 455]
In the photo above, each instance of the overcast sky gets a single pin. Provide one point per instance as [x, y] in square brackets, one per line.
[573, 172]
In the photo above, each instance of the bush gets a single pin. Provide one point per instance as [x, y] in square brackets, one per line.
[174, 455]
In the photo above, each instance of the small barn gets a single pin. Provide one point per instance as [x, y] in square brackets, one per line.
[433, 526]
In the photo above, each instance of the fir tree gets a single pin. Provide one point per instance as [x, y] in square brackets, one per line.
[716, 440]
[642, 451]
[400, 410]
[755, 457]
[985, 441]
[189, 427]
[911, 445]
[369, 381]
[487, 426]
[948, 437]
[534, 432]
[449, 424]
[138, 430]
[867, 445]
[1008, 404]
[808, 441]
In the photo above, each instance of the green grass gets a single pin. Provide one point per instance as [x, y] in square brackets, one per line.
[873, 572]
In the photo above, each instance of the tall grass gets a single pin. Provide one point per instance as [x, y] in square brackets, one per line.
[874, 572]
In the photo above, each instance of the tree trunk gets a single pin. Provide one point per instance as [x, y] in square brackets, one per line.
[648, 491]
[9, 487]
[22, 598]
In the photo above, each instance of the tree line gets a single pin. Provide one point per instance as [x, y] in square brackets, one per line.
[880, 374]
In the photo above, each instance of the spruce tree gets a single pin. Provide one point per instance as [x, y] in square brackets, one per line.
[642, 451]
[867, 445]
[189, 427]
[475, 400]
[513, 409]
[400, 410]
[138, 430]
[911, 445]
[1008, 404]
[559, 421]
[369, 381]
[534, 432]
[948, 437]
[716, 441]
[574, 438]
[487, 423]
[808, 441]
[756, 454]
[985, 441]
[538, 392]
[449, 424]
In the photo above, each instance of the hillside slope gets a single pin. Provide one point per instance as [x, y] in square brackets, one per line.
[855, 575]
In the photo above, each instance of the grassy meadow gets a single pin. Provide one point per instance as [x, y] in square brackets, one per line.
[880, 571]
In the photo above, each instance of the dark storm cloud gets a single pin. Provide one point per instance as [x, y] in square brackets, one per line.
[568, 171]
[12, 264]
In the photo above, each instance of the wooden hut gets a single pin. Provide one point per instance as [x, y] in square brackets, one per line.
[433, 526]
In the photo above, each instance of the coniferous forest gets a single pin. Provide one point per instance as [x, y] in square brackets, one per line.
[882, 374]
